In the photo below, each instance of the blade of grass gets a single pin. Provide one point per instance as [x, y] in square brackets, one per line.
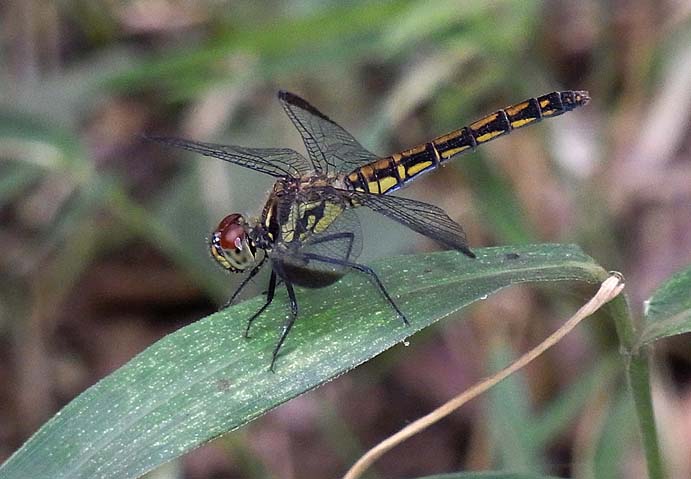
[610, 449]
[638, 375]
[509, 416]
[565, 407]
[274, 41]
[207, 379]
[668, 311]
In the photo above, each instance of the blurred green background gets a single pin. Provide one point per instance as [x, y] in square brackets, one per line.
[103, 234]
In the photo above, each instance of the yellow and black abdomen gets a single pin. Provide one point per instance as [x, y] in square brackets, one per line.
[393, 172]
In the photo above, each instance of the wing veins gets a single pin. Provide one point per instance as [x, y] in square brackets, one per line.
[277, 162]
[324, 139]
[426, 219]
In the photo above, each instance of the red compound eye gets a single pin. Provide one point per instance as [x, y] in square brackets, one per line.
[232, 232]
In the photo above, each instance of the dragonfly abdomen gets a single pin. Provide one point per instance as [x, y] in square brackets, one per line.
[393, 172]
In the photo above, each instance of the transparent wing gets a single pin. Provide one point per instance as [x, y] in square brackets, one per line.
[426, 219]
[277, 162]
[334, 233]
[341, 240]
[330, 148]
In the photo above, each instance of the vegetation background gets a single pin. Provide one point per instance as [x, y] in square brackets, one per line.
[102, 234]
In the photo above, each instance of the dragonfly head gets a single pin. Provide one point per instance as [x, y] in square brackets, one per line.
[231, 245]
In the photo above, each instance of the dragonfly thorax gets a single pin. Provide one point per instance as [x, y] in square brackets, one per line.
[231, 245]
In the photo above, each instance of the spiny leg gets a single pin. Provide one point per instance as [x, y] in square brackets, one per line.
[364, 269]
[269, 299]
[244, 283]
[287, 326]
[279, 282]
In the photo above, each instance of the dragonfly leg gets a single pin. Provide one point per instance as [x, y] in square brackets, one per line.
[278, 283]
[288, 325]
[244, 283]
[269, 299]
[364, 269]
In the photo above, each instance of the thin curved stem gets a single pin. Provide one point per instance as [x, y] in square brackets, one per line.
[609, 289]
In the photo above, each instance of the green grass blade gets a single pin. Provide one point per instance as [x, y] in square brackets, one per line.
[510, 417]
[279, 43]
[561, 412]
[668, 311]
[609, 453]
[207, 379]
[499, 203]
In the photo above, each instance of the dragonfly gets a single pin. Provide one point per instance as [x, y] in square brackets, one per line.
[308, 230]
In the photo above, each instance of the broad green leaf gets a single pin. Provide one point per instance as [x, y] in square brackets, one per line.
[206, 379]
[668, 311]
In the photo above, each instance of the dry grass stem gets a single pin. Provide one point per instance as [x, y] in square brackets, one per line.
[609, 289]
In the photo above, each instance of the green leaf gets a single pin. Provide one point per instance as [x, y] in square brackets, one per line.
[668, 311]
[206, 379]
